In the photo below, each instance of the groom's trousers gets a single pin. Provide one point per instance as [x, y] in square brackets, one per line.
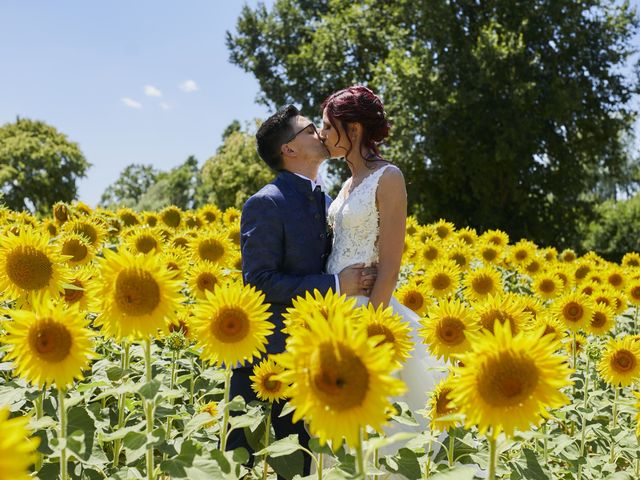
[282, 426]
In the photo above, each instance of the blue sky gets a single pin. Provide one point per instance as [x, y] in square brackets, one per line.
[131, 82]
[82, 66]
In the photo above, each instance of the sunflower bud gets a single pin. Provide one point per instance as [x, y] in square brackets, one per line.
[176, 341]
[594, 352]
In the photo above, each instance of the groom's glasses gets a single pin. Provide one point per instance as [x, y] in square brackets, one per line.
[312, 125]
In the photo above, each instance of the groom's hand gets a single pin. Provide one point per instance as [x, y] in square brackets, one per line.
[357, 279]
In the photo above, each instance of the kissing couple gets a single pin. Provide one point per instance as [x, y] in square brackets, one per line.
[295, 239]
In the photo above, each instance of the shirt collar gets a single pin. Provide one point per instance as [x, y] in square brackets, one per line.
[313, 182]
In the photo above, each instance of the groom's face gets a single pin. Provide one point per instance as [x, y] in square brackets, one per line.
[304, 144]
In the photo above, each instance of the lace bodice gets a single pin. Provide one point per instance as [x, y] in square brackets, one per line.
[354, 221]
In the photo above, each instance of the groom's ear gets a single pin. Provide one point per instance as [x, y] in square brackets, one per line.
[286, 150]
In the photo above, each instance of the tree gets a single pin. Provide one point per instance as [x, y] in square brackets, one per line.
[132, 183]
[507, 114]
[235, 172]
[176, 187]
[38, 166]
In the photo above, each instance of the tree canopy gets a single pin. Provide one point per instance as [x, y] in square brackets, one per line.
[38, 166]
[506, 114]
[131, 184]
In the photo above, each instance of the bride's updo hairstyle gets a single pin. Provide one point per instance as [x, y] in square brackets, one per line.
[358, 104]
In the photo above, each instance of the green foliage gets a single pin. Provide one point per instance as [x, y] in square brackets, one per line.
[176, 187]
[38, 166]
[127, 190]
[614, 231]
[234, 173]
[506, 114]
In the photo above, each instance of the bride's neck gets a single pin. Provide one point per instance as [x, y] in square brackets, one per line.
[358, 165]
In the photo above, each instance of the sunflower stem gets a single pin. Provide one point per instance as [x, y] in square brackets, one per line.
[172, 382]
[427, 467]
[615, 414]
[225, 416]
[267, 431]
[492, 457]
[361, 473]
[63, 434]
[452, 441]
[39, 409]
[192, 380]
[148, 409]
[585, 401]
[122, 399]
[545, 446]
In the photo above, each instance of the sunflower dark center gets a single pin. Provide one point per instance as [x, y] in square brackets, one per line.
[623, 361]
[338, 376]
[573, 311]
[231, 325]
[482, 284]
[146, 243]
[50, 341]
[211, 250]
[206, 281]
[450, 331]
[507, 379]
[76, 248]
[137, 292]
[29, 268]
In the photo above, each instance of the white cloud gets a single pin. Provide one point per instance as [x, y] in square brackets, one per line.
[165, 106]
[151, 91]
[131, 103]
[189, 86]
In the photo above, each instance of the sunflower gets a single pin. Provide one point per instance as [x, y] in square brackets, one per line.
[550, 254]
[174, 260]
[414, 296]
[488, 252]
[467, 235]
[508, 382]
[633, 292]
[461, 254]
[547, 285]
[193, 220]
[171, 216]
[631, 259]
[581, 271]
[389, 327]
[212, 409]
[138, 293]
[442, 278]
[203, 277]
[151, 218]
[81, 290]
[49, 345]
[29, 265]
[604, 295]
[233, 234]
[581, 343]
[530, 304]
[411, 226]
[637, 407]
[615, 277]
[496, 237]
[144, 240]
[550, 325]
[564, 274]
[265, 383]
[522, 253]
[429, 252]
[482, 282]
[619, 301]
[603, 319]
[214, 247]
[231, 216]
[232, 325]
[340, 379]
[588, 289]
[445, 328]
[444, 229]
[60, 212]
[17, 450]
[441, 407]
[573, 310]
[50, 227]
[620, 362]
[568, 256]
[502, 309]
[329, 306]
[77, 249]
[93, 231]
[180, 240]
[210, 213]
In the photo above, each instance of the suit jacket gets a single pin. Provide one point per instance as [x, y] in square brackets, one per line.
[285, 244]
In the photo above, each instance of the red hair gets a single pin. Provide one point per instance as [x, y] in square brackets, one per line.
[358, 104]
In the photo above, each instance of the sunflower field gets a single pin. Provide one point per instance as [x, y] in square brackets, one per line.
[118, 331]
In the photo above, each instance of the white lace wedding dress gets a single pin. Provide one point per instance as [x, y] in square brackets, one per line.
[354, 221]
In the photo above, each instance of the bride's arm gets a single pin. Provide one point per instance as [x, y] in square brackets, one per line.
[391, 199]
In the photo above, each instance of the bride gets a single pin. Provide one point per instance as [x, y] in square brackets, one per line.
[368, 221]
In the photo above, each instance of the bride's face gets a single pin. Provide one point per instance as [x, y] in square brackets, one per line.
[334, 137]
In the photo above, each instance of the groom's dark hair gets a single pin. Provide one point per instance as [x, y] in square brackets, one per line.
[273, 133]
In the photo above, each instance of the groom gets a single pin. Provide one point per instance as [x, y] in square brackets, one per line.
[285, 244]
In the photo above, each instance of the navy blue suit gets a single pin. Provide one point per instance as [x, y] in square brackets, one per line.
[285, 244]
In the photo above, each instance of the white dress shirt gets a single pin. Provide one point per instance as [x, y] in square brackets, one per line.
[318, 181]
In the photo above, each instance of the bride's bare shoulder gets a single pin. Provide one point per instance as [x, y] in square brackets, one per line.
[391, 181]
